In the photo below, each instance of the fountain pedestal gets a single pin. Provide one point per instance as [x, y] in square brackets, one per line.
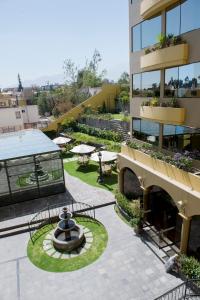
[68, 235]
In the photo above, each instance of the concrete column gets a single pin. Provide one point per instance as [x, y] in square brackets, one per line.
[145, 202]
[185, 233]
[160, 136]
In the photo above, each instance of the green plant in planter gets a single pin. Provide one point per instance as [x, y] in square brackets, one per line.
[147, 51]
[133, 145]
[173, 103]
[162, 39]
[154, 102]
[157, 155]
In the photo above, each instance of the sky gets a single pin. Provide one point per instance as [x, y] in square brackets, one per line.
[36, 36]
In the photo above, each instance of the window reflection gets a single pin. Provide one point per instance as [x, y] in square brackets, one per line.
[175, 137]
[171, 82]
[183, 81]
[173, 21]
[151, 84]
[136, 84]
[183, 18]
[190, 15]
[136, 38]
[150, 30]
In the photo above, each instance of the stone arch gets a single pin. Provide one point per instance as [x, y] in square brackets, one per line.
[163, 213]
[129, 183]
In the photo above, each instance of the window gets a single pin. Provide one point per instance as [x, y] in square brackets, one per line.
[18, 115]
[136, 38]
[145, 33]
[171, 82]
[151, 84]
[189, 81]
[146, 84]
[136, 84]
[190, 15]
[183, 81]
[150, 30]
[183, 18]
[173, 17]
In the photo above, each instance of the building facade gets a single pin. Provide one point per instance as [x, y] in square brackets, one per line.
[16, 114]
[165, 109]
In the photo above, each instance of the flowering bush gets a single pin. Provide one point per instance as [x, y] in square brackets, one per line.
[182, 161]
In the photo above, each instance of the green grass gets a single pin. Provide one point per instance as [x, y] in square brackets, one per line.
[89, 174]
[40, 259]
[86, 138]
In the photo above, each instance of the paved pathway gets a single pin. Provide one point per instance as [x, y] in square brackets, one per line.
[126, 270]
[86, 193]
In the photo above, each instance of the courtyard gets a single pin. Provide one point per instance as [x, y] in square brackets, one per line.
[127, 269]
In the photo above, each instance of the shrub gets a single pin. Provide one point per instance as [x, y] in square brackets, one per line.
[190, 267]
[132, 208]
[105, 134]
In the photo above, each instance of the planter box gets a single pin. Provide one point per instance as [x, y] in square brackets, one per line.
[186, 178]
[164, 58]
[149, 8]
[165, 115]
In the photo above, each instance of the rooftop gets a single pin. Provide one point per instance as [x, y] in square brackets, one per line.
[25, 143]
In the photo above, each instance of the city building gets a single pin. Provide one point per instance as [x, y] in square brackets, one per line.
[165, 110]
[30, 167]
[16, 113]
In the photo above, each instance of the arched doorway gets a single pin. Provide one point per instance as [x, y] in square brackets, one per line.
[130, 184]
[163, 215]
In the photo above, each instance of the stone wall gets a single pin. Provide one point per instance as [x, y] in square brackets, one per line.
[104, 124]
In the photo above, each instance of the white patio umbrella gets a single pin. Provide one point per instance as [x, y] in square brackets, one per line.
[106, 156]
[82, 149]
[61, 140]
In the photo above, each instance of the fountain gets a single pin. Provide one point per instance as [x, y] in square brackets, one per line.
[38, 173]
[68, 235]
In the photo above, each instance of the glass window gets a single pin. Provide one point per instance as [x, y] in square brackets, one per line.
[183, 81]
[190, 15]
[150, 30]
[173, 21]
[189, 80]
[171, 82]
[136, 84]
[151, 84]
[136, 124]
[136, 38]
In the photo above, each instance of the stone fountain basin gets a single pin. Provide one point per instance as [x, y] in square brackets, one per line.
[62, 245]
[71, 225]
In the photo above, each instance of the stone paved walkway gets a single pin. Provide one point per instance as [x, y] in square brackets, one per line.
[86, 193]
[126, 270]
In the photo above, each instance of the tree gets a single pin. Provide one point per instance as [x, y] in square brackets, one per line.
[20, 87]
[124, 78]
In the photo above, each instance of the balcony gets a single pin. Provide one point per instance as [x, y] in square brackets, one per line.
[173, 173]
[165, 115]
[165, 58]
[149, 8]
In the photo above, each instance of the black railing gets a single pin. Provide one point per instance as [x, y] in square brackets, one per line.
[188, 290]
[50, 214]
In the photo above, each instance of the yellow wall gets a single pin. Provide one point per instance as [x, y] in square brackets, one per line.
[107, 95]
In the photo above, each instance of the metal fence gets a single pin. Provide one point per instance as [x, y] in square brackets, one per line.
[188, 290]
[50, 214]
